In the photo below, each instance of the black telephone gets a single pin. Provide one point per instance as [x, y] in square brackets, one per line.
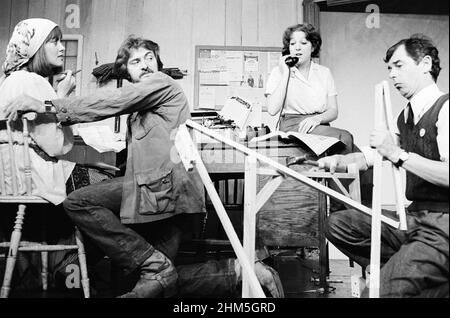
[291, 60]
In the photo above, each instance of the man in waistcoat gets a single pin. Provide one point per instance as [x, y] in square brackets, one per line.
[414, 262]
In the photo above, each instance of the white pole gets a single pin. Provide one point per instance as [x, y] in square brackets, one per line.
[375, 237]
[290, 172]
[399, 194]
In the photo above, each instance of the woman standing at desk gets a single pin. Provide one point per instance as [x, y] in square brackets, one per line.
[304, 93]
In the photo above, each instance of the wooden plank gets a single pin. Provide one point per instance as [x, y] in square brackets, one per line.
[399, 192]
[323, 250]
[5, 25]
[273, 18]
[267, 191]
[250, 209]
[53, 11]
[233, 23]
[181, 38]
[184, 144]
[151, 24]
[250, 23]
[299, 11]
[36, 9]
[106, 33]
[375, 238]
[305, 180]
[208, 26]
[135, 17]
[19, 12]
[355, 185]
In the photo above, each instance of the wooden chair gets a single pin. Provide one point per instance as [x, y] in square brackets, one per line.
[10, 193]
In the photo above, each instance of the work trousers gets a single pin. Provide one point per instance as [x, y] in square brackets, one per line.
[414, 262]
[95, 210]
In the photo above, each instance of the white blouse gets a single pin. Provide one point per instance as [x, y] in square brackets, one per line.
[305, 95]
[48, 178]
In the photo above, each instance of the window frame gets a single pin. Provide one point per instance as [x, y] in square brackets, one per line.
[79, 39]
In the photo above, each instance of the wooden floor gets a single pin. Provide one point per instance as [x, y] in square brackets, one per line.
[299, 276]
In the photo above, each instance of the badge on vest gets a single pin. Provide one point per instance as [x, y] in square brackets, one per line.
[422, 132]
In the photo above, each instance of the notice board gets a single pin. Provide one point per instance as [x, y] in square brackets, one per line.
[225, 71]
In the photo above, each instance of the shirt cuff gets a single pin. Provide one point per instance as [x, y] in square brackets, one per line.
[62, 113]
[369, 154]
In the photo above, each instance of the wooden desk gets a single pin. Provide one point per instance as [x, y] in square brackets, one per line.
[290, 217]
[295, 214]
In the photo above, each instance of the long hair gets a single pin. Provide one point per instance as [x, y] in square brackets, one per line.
[133, 42]
[311, 35]
[39, 63]
[418, 46]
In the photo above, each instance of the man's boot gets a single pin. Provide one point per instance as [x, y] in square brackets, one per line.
[158, 278]
[267, 277]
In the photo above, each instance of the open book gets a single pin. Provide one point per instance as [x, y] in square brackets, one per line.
[317, 143]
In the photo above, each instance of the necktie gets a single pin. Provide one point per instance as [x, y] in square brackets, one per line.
[410, 118]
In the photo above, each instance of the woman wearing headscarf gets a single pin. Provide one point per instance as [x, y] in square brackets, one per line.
[34, 54]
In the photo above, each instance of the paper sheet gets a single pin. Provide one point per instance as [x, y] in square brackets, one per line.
[317, 143]
[102, 138]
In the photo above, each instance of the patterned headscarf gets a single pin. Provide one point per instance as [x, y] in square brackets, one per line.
[27, 38]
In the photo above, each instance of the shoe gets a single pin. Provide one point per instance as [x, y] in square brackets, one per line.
[269, 279]
[158, 278]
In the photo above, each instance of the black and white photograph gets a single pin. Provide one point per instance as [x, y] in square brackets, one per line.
[219, 155]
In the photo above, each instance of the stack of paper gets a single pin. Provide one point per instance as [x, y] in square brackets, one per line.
[102, 138]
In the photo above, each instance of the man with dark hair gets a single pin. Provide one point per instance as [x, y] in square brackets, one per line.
[415, 262]
[156, 189]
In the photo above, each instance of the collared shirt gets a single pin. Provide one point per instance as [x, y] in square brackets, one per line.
[421, 103]
[305, 96]
[156, 185]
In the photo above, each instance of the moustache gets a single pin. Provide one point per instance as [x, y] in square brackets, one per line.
[146, 72]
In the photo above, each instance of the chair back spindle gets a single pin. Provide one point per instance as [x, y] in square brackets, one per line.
[26, 156]
[12, 160]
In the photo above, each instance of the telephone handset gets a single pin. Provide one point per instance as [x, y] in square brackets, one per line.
[291, 61]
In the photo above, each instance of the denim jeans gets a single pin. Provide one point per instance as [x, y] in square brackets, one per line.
[414, 262]
[95, 211]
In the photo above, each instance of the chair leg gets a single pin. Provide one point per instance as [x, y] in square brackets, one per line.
[44, 270]
[83, 264]
[44, 255]
[12, 254]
